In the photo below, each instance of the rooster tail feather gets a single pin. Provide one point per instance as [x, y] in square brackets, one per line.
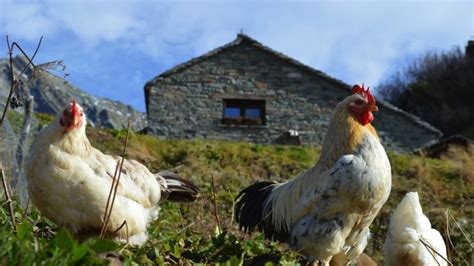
[250, 211]
[177, 188]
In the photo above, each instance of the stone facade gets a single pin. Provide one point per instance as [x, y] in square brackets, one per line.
[188, 100]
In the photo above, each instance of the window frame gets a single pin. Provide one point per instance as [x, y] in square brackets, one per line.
[244, 104]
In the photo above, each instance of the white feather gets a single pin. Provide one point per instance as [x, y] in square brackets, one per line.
[328, 213]
[408, 226]
[69, 182]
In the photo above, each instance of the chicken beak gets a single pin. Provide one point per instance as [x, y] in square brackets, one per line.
[76, 120]
[374, 108]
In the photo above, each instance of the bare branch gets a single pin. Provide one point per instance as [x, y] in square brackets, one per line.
[13, 81]
[14, 84]
[30, 60]
[25, 129]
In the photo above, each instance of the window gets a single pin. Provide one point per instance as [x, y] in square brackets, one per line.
[244, 112]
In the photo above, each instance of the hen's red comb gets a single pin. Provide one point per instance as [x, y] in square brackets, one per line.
[364, 92]
[74, 109]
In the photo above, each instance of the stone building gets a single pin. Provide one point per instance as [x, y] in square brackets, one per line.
[245, 91]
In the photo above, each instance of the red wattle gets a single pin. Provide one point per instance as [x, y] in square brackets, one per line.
[366, 118]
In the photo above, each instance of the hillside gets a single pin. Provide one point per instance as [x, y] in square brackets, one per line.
[189, 233]
[52, 93]
[437, 87]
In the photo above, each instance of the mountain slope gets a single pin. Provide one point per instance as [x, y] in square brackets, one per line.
[52, 93]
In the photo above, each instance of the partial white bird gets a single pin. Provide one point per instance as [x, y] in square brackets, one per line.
[69, 182]
[408, 228]
[325, 212]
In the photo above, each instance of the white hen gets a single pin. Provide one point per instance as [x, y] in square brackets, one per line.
[69, 182]
[408, 226]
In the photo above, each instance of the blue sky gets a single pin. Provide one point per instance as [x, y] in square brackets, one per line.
[112, 48]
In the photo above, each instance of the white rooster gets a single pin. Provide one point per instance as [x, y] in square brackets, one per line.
[408, 228]
[69, 182]
[325, 212]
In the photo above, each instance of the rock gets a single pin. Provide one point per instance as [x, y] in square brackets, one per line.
[112, 258]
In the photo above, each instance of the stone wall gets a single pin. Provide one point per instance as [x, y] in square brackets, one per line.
[189, 103]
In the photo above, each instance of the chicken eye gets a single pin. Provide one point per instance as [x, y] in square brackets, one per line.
[359, 102]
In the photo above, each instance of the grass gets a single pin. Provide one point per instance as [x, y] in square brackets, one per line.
[187, 234]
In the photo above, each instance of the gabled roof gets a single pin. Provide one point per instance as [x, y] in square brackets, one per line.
[241, 38]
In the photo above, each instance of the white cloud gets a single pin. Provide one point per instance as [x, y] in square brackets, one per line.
[24, 20]
[103, 21]
[91, 22]
[356, 41]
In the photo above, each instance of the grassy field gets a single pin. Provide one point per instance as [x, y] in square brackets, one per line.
[205, 232]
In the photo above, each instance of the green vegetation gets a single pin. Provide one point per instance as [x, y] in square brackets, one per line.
[189, 234]
[16, 120]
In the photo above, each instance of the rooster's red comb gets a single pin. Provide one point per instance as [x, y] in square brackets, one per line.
[364, 92]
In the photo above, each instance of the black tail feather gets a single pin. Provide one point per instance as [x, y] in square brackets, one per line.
[250, 211]
[179, 189]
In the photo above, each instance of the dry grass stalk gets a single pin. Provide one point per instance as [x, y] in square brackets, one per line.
[120, 227]
[107, 205]
[53, 67]
[8, 196]
[214, 202]
[186, 227]
[460, 228]
[25, 212]
[113, 189]
[431, 250]
[463, 157]
[448, 233]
